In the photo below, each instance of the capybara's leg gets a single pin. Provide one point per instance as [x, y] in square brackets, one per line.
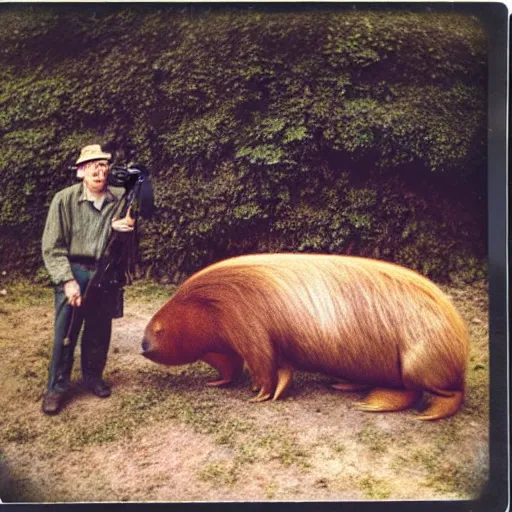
[350, 386]
[284, 378]
[262, 367]
[265, 384]
[443, 406]
[229, 366]
[255, 384]
[388, 400]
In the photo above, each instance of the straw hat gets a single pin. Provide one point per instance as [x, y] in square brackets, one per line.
[92, 152]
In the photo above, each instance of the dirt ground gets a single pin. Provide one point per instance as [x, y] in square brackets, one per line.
[165, 436]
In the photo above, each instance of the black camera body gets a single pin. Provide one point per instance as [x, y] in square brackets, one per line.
[126, 176]
[136, 181]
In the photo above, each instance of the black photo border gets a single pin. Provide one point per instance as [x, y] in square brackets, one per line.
[495, 18]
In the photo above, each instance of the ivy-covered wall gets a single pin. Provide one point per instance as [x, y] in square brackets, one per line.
[265, 128]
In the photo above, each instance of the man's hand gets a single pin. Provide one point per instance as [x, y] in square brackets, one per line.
[125, 224]
[72, 291]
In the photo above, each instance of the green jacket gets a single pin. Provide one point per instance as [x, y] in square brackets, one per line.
[76, 228]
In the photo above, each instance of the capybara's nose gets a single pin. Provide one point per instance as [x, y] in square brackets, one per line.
[145, 345]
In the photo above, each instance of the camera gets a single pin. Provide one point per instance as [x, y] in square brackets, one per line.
[127, 176]
[136, 181]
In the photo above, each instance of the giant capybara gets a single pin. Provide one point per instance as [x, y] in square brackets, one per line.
[371, 323]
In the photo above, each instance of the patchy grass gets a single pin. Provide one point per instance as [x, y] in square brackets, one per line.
[18, 434]
[477, 400]
[455, 476]
[147, 291]
[374, 488]
[223, 473]
[375, 440]
[445, 474]
[283, 446]
[270, 491]
[312, 445]
[22, 293]
[338, 448]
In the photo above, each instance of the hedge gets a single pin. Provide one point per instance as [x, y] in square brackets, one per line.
[265, 128]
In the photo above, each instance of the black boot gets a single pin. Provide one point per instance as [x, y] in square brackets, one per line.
[53, 402]
[98, 387]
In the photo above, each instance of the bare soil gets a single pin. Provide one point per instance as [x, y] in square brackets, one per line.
[164, 435]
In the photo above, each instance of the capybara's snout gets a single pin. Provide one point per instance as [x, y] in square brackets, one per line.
[145, 346]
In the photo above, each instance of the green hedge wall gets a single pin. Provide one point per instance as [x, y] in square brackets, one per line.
[266, 129]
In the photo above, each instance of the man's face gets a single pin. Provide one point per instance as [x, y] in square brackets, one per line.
[95, 176]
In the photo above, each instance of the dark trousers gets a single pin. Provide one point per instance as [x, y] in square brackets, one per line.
[97, 328]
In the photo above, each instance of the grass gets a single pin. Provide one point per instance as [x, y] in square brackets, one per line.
[374, 488]
[339, 448]
[453, 476]
[283, 446]
[23, 293]
[375, 440]
[270, 491]
[251, 447]
[220, 473]
[477, 399]
[160, 396]
[156, 397]
[145, 290]
[248, 446]
[105, 432]
[18, 434]
[228, 430]
[441, 471]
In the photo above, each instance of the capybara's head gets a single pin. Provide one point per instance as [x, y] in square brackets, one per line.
[177, 334]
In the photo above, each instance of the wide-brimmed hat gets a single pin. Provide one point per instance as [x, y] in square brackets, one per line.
[92, 152]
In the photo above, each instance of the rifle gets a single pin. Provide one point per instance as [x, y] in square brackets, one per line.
[110, 275]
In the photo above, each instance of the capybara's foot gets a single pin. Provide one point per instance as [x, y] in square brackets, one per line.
[388, 400]
[442, 406]
[349, 386]
[219, 383]
[261, 396]
[228, 365]
[284, 378]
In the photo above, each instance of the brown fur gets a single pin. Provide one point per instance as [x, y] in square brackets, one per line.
[359, 319]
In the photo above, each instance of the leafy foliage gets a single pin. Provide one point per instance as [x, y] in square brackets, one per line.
[308, 130]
